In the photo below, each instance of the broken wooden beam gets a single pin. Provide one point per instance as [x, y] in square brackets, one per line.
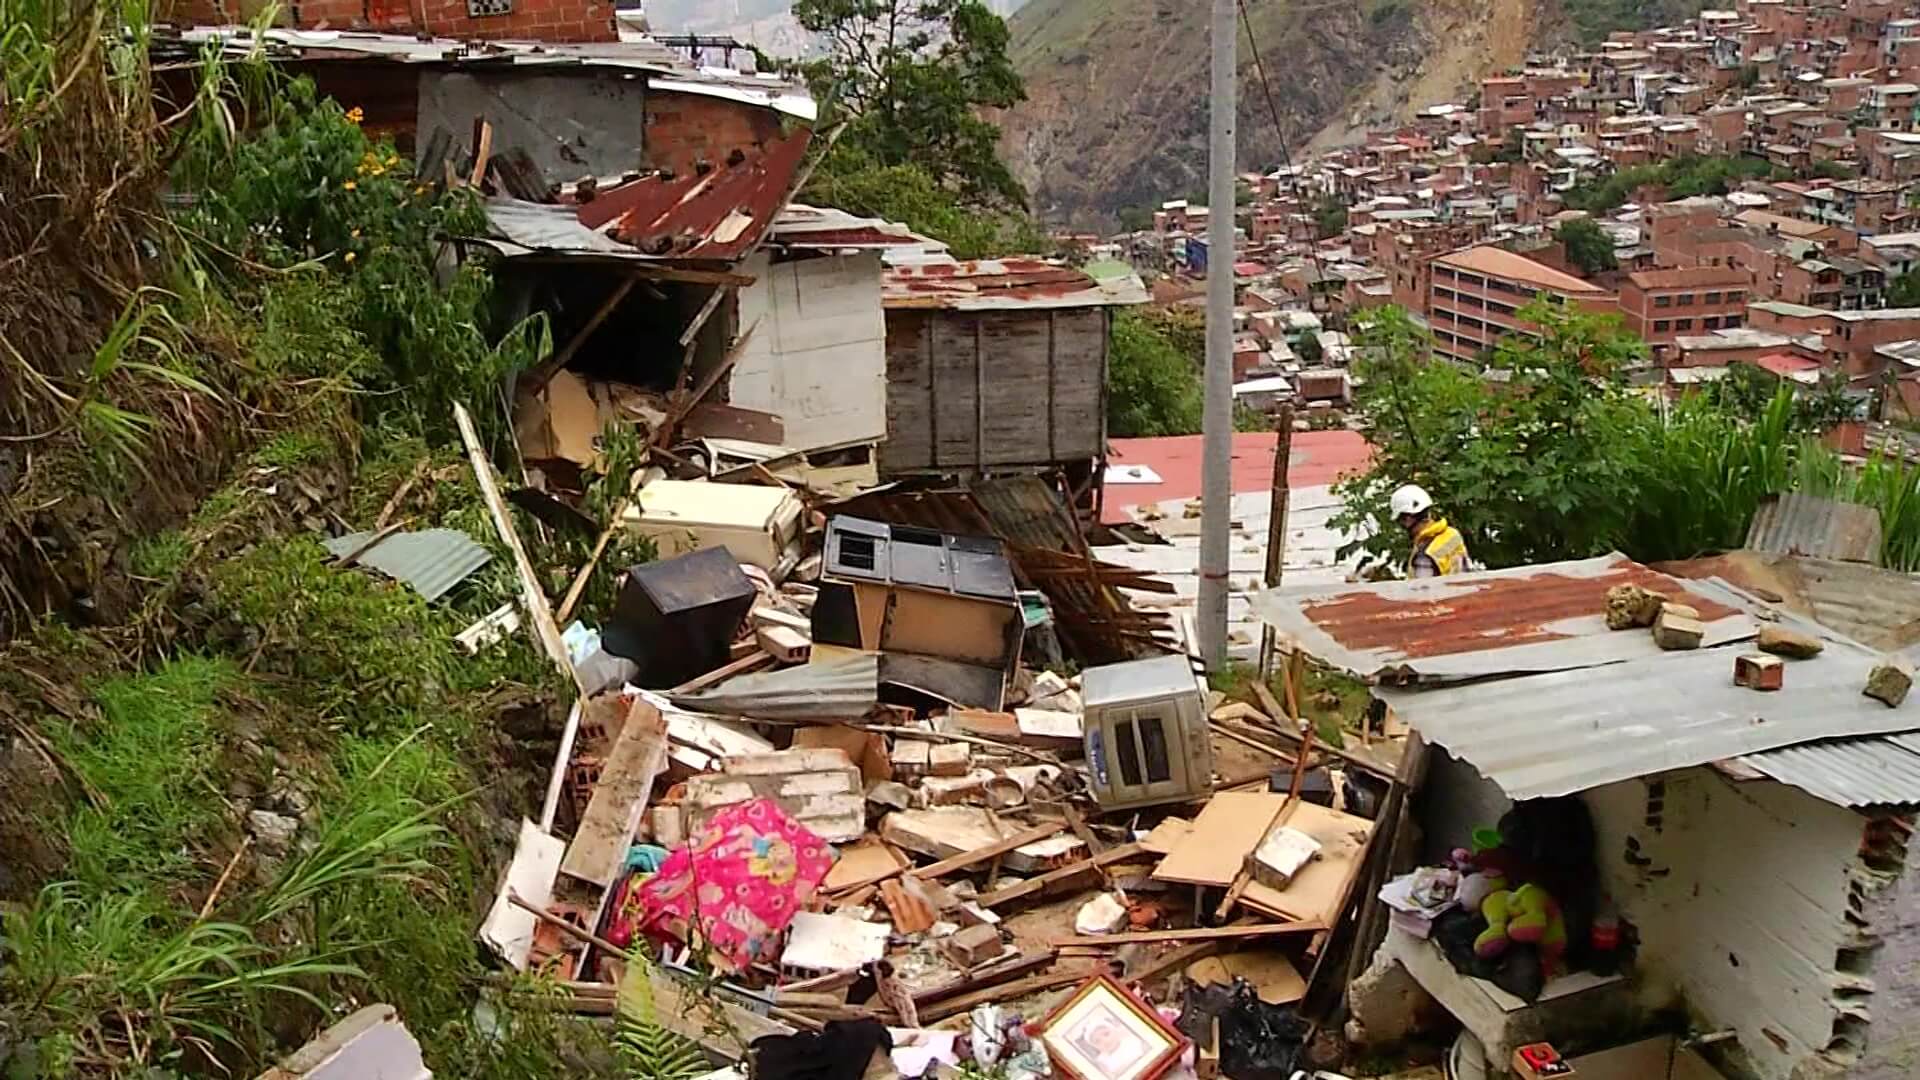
[1033, 984]
[974, 857]
[1203, 933]
[991, 975]
[1088, 869]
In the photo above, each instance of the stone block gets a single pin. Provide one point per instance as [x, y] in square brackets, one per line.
[949, 759]
[1889, 681]
[975, 945]
[1781, 641]
[1676, 631]
[1629, 606]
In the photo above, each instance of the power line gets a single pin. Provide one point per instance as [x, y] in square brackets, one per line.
[1286, 155]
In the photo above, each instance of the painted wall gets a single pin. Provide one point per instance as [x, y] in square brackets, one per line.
[1741, 894]
[531, 20]
[818, 355]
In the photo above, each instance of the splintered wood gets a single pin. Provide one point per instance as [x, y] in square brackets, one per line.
[639, 754]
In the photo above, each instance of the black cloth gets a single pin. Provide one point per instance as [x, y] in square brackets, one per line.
[1259, 1041]
[840, 1051]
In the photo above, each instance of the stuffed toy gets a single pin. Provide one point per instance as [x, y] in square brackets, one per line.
[1527, 915]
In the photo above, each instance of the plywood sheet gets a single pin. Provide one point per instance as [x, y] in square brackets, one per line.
[1273, 976]
[1222, 836]
[862, 864]
[1319, 890]
[1164, 836]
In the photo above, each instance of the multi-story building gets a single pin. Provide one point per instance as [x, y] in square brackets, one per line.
[1662, 305]
[1476, 294]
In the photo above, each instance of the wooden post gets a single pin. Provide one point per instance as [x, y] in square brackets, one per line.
[1277, 524]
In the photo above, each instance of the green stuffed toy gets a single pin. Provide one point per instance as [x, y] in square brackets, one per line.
[1527, 915]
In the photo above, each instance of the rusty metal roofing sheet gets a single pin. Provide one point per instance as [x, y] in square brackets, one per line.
[716, 216]
[1561, 732]
[1535, 618]
[1795, 524]
[1874, 606]
[433, 561]
[939, 281]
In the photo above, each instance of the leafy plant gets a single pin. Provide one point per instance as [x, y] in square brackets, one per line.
[1588, 246]
[1153, 387]
[647, 1049]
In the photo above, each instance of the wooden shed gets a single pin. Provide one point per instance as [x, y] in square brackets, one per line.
[997, 365]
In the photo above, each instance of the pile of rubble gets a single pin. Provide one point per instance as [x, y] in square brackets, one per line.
[830, 774]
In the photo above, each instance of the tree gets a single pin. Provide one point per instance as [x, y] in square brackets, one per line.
[910, 78]
[1589, 247]
[1136, 218]
[1330, 217]
[1153, 385]
[1905, 290]
[1537, 467]
[1309, 350]
[914, 197]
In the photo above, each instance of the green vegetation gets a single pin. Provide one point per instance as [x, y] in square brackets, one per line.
[273, 785]
[1593, 20]
[1589, 247]
[1561, 460]
[1904, 291]
[1681, 177]
[1153, 373]
[1330, 217]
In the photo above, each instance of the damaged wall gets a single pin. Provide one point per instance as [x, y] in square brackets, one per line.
[573, 124]
[994, 389]
[1741, 895]
[817, 357]
[1893, 912]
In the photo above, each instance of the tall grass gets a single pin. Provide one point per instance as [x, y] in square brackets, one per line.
[1888, 485]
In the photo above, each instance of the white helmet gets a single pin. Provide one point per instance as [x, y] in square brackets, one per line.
[1411, 499]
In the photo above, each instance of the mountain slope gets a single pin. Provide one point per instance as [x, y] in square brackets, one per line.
[1116, 114]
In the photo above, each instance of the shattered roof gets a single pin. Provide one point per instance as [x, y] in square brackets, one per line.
[644, 55]
[1585, 706]
[805, 226]
[714, 217]
[939, 281]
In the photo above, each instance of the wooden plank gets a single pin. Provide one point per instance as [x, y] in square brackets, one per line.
[749, 662]
[1203, 933]
[1226, 831]
[1055, 879]
[626, 782]
[1317, 892]
[545, 629]
[993, 975]
[862, 864]
[974, 857]
[1033, 984]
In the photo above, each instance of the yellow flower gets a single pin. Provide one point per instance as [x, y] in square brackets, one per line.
[349, 186]
[356, 234]
[355, 115]
[351, 256]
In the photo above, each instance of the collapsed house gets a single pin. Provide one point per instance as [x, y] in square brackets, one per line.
[1746, 849]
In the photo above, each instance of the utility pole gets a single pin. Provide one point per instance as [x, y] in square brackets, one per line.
[1216, 488]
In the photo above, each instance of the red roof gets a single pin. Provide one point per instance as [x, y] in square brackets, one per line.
[718, 215]
[1784, 364]
[1319, 457]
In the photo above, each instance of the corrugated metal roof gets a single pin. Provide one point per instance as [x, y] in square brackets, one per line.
[1795, 524]
[939, 281]
[431, 560]
[716, 216]
[1537, 618]
[1877, 607]
[1848, 772]
[841, 688]
[1566, 731]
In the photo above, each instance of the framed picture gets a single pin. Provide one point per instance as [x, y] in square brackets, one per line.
[1104, 1032]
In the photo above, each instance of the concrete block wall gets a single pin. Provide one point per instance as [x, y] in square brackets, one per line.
[534, 20]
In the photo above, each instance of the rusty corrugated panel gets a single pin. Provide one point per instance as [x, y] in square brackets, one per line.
[433, 561]
[838, 689]
[1536, 618]
[940, 282]
[1795, 524]
[717, 216]
[1882, 771]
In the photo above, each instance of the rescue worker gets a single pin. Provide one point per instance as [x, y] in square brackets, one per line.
[1438, 548]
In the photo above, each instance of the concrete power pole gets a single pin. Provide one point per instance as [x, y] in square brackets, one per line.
[1216, 489]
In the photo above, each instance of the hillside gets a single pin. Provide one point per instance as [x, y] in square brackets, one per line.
[1116, 114]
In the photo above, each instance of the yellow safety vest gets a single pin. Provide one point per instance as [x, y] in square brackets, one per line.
[1442, 543]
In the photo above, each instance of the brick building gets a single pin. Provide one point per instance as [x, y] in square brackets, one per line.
[1663, 305]
[467, 20]
[1476, 295]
